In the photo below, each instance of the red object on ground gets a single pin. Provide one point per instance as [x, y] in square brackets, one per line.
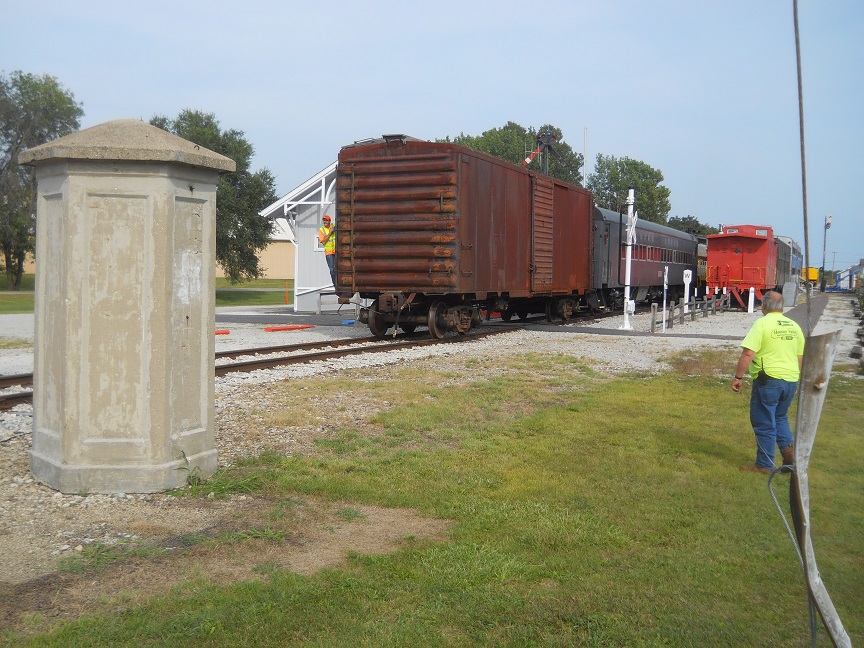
[289, 327]
[222, 331]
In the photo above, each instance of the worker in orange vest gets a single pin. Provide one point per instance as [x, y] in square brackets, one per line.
[327, 239]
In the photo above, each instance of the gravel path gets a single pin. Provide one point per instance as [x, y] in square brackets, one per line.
[38, 525]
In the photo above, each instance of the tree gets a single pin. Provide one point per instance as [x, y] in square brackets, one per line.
[240, 231]
[690, 224]
[33, 110]
[512, 142]
[613, 176]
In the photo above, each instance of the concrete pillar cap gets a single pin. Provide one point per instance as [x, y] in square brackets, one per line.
[127, 139]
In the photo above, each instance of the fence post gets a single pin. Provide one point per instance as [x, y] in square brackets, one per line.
[693, 310]
[653, 315]
[682, 304]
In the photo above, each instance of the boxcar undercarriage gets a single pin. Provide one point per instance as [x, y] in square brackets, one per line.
[443, 314]
[459, 313]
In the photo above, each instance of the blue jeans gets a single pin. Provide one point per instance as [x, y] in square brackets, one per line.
[769, 404]
[331, 266]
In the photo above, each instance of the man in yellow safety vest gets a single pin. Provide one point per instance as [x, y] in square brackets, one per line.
[327, 239]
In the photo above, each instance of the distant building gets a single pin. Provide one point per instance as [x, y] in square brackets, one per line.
[278, 258]
[300, 214]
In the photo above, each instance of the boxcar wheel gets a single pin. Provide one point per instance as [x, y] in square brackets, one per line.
[377, 324]
[506, 315]
[550, 310]
[435, 311]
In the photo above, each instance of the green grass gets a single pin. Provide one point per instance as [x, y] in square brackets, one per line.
[228, 294]
[97, 556]
[260, 292]
[16, 302]
[14, 343]
[596, 512]
[276, 284]
[27, 282]
[252, 298]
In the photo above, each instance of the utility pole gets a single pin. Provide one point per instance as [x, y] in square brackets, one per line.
[824, 247]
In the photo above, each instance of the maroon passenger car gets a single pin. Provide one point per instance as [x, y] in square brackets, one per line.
[435, 232]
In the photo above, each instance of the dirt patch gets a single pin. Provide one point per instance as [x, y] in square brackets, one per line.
[240, 543]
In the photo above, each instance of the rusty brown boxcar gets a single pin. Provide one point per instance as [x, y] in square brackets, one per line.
[435, 233]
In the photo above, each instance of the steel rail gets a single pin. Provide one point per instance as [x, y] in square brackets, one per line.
[7, 401]
[16, 380]
[302, 346]
[26, 380]
[270, 363]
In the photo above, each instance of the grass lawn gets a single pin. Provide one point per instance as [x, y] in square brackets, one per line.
[260, 292]
[587, 510]
[276, 284]
[12, 303]
[27, 282]
[18, 301]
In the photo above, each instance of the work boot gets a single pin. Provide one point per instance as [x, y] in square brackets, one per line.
[788, 455]
[756, 469]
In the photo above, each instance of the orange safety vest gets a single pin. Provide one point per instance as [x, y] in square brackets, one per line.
[325, 239]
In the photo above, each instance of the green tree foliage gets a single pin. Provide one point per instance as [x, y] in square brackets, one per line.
[513, 142]
[33, 110]
[690, 224]
[613, 176]
[240, 231]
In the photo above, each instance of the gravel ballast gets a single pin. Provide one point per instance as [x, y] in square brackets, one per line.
[39, 525]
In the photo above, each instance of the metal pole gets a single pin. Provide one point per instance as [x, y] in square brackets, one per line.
[665, 290]
[585, 159]
[824, 247]
[815, 373]
[628, 258]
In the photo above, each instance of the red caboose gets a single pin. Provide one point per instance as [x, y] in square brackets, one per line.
[742, 257]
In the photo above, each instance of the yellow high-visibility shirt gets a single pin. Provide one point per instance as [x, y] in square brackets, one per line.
[777, 342]
[325, 239]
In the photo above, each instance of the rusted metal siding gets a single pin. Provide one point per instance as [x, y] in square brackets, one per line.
[543, 232]
[396, 222]
[573, 261]
[436, 218]
[494, 226]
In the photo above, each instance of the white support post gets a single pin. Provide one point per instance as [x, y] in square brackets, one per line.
[688, 277]
[665, 291]
[751, 300]
[629, 306]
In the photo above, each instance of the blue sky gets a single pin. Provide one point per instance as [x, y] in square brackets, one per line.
[706, 92]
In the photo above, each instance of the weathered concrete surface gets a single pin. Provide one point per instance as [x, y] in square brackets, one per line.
[127, 139]
[124, 343]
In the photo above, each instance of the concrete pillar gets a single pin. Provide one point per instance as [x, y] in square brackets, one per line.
[124, 337]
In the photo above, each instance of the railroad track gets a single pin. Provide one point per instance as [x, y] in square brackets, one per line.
[334, 349]
[380, 347]
[288, 354]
